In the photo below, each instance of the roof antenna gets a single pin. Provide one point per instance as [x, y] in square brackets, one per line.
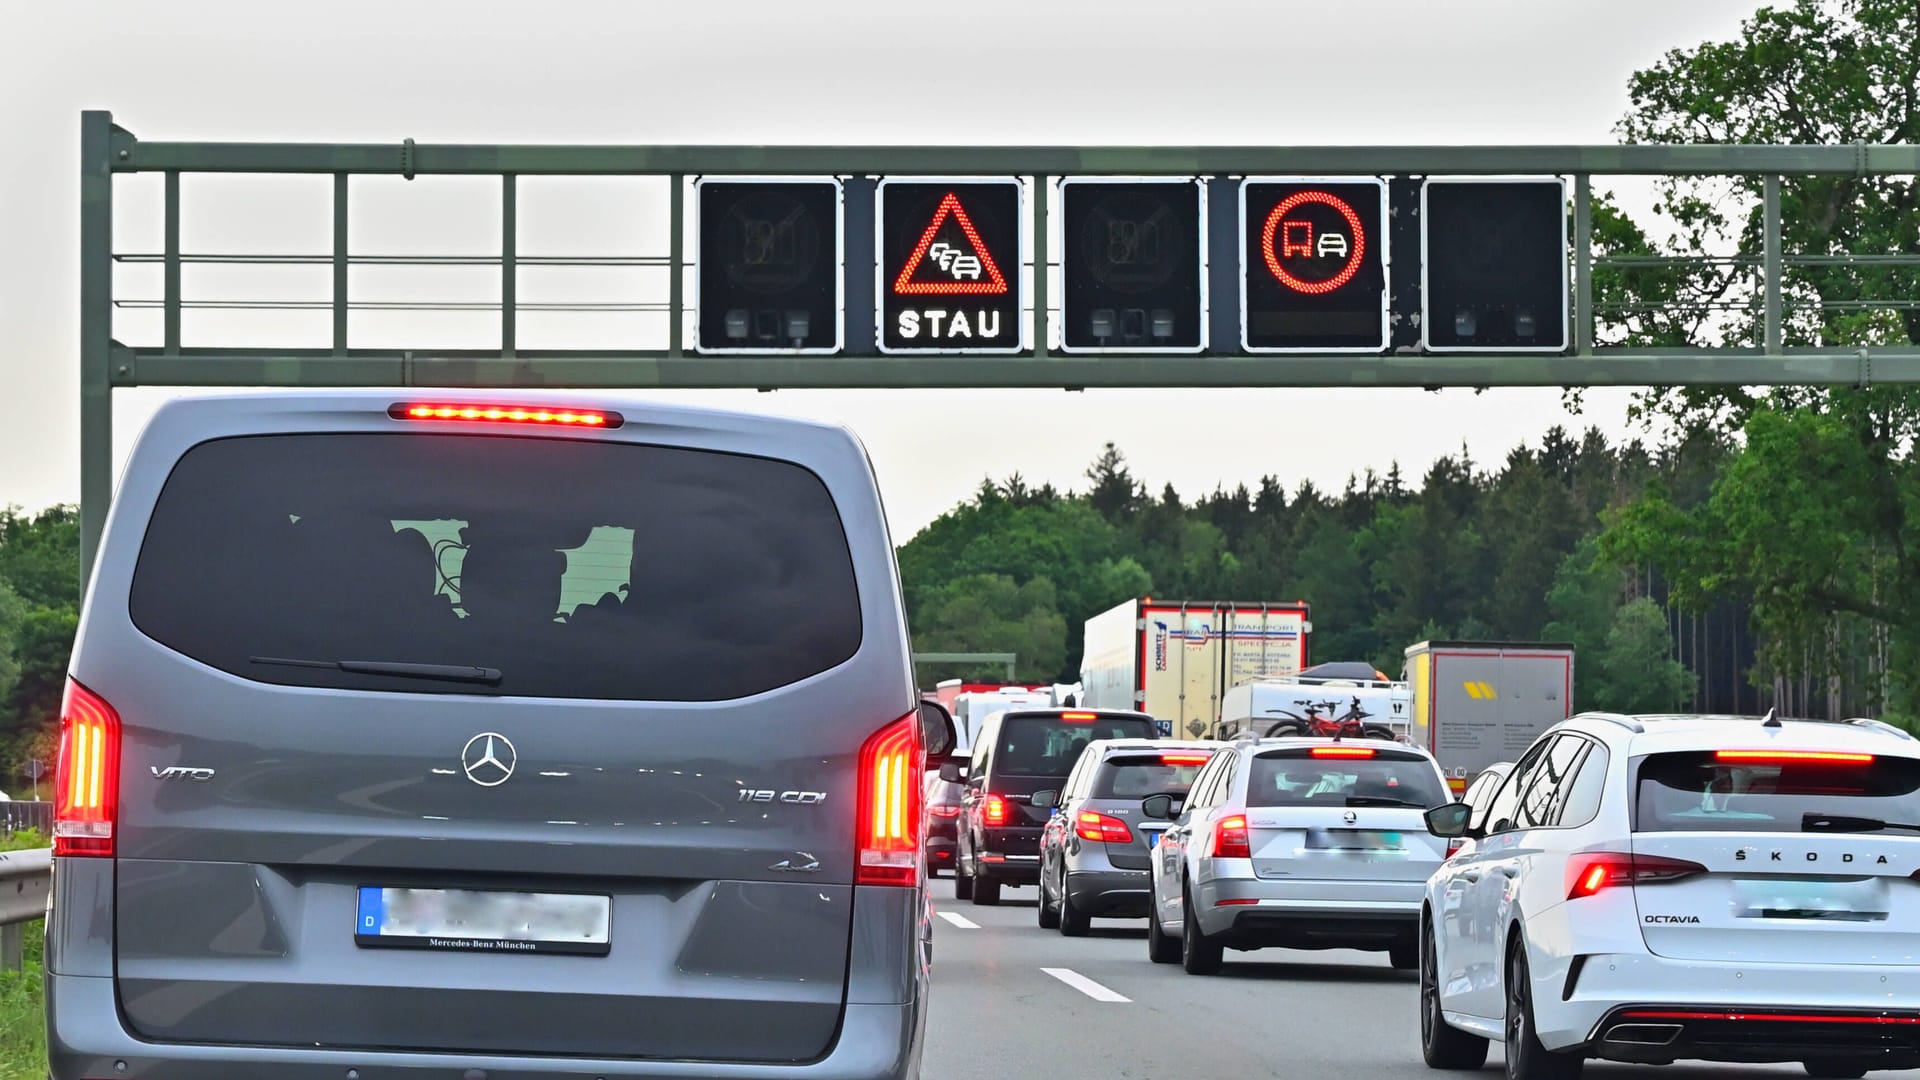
[1770, 720]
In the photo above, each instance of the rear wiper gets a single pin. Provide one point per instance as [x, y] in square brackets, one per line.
[1843, 823]
[443, 672]
[1381, 800]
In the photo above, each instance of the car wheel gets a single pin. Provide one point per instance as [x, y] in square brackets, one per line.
[1161, 947]
[962, 881]
[1049, 915]
[1199, 954]
[1836, 1069]
[1443, 1045]
[1404, 955]
[1073, 921]
[1526, 1058]
[986, 892]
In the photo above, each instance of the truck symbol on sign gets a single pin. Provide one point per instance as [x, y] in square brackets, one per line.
[954, 261]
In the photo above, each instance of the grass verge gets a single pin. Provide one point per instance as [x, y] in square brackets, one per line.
[23, 1025]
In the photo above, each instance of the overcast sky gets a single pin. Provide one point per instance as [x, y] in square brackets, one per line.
[730, 71]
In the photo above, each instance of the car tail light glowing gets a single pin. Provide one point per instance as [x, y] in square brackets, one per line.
[944, 811]
[891, 763]
[994, 810]
[1102, 829]
[1184, 759]
[1591, 872]
[87, 777]
[1078, 717]
[538, 415]
[1235, 903]
[1342, 751]
[1786, 757]
[1230, 839]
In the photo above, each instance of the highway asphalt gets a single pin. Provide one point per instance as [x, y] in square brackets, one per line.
[1014, 1002]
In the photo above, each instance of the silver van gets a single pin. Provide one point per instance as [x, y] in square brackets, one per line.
[490, 733]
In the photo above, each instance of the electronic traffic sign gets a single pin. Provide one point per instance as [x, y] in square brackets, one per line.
[1313, 265]
[951, 265]
[768, 265]
[1134, 256]
[1494, 264]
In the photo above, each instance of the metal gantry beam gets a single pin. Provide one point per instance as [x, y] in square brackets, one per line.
[107, 150]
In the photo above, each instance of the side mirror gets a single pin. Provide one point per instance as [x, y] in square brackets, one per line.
[1449, 821]
[936, 730]
[1160, 807]
[950, 773]
[1044, 800]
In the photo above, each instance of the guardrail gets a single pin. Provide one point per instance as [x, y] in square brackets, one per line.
[19, 814]
[26, 877]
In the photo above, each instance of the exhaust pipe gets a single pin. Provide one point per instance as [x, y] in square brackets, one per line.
[1643, 1034]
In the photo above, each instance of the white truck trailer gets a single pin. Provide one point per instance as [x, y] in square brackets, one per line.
[1176, 659]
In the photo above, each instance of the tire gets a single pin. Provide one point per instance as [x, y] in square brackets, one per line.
[962, 881]
[1199, 954]
[1443, 1045]
[1836, 1069]
[1285, 729]
[986, 892]
[1404, 956]
[1161, 949]
[1374, 732]
[1073, 921]
[1526, 1058]
[1049, 914]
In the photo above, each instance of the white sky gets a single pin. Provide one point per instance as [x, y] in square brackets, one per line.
[732, 71]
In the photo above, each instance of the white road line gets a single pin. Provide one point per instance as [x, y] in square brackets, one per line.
[960, 921]
[1085, 985]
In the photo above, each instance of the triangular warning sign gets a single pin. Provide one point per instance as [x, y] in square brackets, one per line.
[955, 272]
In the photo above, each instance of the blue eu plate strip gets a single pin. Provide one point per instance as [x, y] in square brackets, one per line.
[373, 911]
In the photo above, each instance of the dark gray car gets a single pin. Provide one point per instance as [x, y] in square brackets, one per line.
[524, 734]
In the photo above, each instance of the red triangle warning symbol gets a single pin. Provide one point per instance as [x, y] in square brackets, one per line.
[952, 270]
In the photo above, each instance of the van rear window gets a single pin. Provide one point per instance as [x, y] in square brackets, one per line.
[1297, 778]
[1049, 745]
[1704, 792]
[576, 569]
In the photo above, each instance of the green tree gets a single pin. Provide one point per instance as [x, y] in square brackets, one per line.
[1640, 674]
[40, 555]
[990, 613]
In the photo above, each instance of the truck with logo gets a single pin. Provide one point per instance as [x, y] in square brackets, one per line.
[1480, 702]
[1175, 660]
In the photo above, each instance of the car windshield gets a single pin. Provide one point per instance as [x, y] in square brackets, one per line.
[1142, 775]
[1049, 744]
[1297, 778]
[1709, 791]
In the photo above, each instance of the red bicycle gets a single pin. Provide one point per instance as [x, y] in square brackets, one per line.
[1350, 724]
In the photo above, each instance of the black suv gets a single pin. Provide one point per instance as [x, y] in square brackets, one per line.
[1015, 754]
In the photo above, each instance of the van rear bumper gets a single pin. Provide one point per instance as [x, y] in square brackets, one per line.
[86, 1038]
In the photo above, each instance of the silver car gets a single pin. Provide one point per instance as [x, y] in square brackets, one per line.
[1094, 850]
[510, 734]
[1296, 843]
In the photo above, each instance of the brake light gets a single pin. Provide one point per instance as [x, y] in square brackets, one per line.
[1230, 839]
[1183, 759]
[890, 763]
[1078, 717]
[944, 811]
[1102, 829]
[994, 810]
[87, 775]
[1342, 751]
[1778, 757]
[1589, 873]
[506, 414]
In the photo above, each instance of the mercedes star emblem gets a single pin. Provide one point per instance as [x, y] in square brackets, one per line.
[488, 759]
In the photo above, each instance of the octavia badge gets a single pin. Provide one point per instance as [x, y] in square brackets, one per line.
[488, 759]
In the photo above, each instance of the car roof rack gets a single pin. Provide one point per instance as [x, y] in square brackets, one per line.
[1622, 719]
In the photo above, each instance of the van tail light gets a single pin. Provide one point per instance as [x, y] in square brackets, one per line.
[994, 810]
[531, 415]
[1593, 871]
[891, 764]
[944, 810]
[1102, 829]
[87, 777]
[1230, 839]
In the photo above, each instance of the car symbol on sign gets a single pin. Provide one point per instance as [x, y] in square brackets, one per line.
[1333, 243]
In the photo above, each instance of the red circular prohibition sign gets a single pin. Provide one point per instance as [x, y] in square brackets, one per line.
[1314, 288]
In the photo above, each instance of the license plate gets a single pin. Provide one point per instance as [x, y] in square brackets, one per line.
[1353, 840]
[462, 920]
